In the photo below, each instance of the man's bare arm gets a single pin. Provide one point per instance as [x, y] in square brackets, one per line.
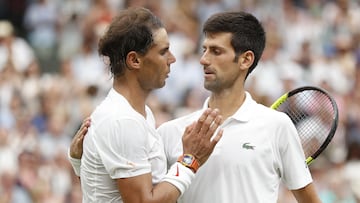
[306, 194]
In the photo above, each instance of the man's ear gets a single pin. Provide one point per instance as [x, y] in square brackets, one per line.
[133, 60]
[246, 59]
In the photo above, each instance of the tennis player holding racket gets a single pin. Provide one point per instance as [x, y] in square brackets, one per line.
[260, 146]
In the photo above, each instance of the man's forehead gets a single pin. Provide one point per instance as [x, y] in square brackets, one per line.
[160, 36]
[217, 39]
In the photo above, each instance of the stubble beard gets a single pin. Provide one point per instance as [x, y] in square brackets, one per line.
[212, 86]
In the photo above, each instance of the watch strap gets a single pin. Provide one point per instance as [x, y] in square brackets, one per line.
[189, 161]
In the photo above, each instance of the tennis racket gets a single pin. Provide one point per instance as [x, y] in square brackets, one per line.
[315, 115]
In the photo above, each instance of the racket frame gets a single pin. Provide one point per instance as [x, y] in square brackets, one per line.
[335, 117]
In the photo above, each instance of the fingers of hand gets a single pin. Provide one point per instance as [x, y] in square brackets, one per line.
[211, 123]
[189, 129]
[87, 119]
[216, 139]
[202, 120]
[214, 125]
[83, 129]
[86, 123]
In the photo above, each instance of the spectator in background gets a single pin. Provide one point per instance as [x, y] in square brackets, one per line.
[16, 57]
[13, 10]
[71, 16]
[8, 157]
[352, 167]
[15, 52]
[41, 21]
[87, 67]
[10, 191]
[325, 24]
[98, 17]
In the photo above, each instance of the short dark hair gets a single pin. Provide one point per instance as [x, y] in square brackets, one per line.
[247, 32]
[131, 30]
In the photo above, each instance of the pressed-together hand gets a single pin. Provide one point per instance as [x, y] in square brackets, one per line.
[76, 147]
[197, 139]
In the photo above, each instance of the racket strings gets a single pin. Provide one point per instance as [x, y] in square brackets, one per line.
[311, 112]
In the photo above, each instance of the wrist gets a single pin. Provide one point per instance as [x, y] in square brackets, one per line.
[189, 161]
[180, 176]
[75, 163]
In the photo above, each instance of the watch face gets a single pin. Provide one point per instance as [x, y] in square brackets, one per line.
[187, 159]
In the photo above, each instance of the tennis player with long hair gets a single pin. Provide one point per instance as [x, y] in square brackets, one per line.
[123, 156]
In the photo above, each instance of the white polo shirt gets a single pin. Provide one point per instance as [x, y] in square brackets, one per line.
[259, 148]
[120, 143]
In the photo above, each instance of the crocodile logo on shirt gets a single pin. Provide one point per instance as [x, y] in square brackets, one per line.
[248, 146]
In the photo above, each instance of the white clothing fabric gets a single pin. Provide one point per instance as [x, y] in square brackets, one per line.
[180, 176]
[75, 163]
[259, 148]
[127, 146]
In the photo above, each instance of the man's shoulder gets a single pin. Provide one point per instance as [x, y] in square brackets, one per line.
[264, 112]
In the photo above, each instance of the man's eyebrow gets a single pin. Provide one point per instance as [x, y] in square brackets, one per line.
[164, 49]
[213, 47]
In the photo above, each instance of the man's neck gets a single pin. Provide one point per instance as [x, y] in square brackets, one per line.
[227, 102]
[135, 95]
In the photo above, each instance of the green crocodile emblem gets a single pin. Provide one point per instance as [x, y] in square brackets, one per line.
[248, 146]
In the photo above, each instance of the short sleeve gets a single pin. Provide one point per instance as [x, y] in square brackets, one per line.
[295, 172]
[123, 148]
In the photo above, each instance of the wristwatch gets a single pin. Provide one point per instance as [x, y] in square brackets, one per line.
[189, 161]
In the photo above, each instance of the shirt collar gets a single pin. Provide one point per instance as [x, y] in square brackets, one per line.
[243, 114]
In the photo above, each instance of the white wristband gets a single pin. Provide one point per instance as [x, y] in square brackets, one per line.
[180, 176]
[75, 163]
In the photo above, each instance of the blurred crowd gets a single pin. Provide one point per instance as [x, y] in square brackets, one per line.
[51, 78]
